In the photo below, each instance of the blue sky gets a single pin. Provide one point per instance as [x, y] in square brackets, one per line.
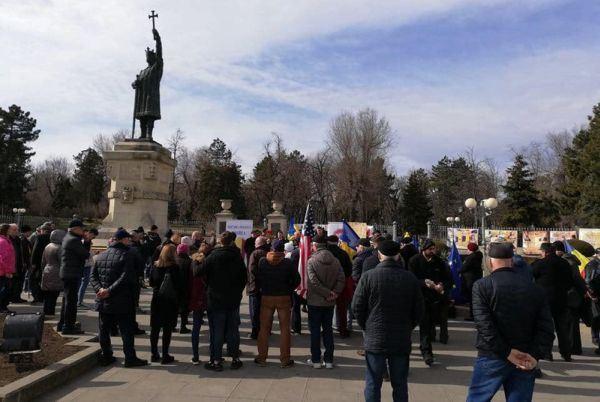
[452, 74]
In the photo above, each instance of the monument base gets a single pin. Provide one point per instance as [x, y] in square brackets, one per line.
[140, 173]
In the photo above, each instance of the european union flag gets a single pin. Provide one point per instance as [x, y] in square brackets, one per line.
[415, 242]
[291, 229]
[455, 267]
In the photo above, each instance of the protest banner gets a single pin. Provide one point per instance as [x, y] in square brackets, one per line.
[532, 240]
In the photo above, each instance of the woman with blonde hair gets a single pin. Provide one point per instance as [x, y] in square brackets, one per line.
[164, 305]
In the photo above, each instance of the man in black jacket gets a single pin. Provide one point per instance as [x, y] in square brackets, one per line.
[226, 277]
[553, 274]
[114, 280]
[471, 272]
[388, 304]
[373, 260]
[35, 274]
[363, 251]
[436, 282]
[514, 330]
[407, 250]
[72, 260]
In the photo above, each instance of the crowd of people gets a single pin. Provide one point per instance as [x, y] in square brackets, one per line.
[387, 288]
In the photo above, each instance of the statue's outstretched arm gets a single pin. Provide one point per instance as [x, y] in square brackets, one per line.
[158, 45]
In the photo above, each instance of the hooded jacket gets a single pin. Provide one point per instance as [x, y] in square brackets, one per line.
[276, 275]
[51, 263]
[325, 274]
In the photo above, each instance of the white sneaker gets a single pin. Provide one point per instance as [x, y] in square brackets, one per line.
[315, 365]
[328, 365]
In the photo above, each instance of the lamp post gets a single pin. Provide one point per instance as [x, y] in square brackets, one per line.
[484, 207]
[18, 212]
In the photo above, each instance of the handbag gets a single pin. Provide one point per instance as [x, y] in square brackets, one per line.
[167, 289]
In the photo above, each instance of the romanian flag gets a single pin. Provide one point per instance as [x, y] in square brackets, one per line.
[583, 260]
[348, 239]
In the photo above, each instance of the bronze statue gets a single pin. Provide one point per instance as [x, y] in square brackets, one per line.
[147, 88]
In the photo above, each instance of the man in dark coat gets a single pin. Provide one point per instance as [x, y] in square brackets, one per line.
[575, 297]
[35, 276]
[16, 285]
[373, 260]
[553, 274]
[297, 301]
[592, 280]
[114, 280]
[436, 282]
[261, 249]
[471, 272]
[226, 277]
[73, 256]
[363, 251]
[342, 302]
[388, 304]
[250, 244]
[407, 249]
[514, 330]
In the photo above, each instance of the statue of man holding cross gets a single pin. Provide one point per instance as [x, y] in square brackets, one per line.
[147, 87]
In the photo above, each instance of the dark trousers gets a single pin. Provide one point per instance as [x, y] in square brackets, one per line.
[166, 339]
[320, 322]
[50, 297]
[426, 329]
[224, 326]
[16, 287]
[376, 366]
[296, 317]
[341, 315]
[106, 322]
[576, 347]
[254, 307]
[35, 284]
[68, 311]
[563, 328]
[197, 323]
[184, 314]
[4, 292]
[491, 374]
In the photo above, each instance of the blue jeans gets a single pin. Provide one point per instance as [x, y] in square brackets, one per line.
[320, 323]
[224, 326]
[490, 374]
[254, 307]
[83, 283]
[376, 366]
[197, 323]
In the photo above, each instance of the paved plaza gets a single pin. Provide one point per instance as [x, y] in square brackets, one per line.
[181, 381]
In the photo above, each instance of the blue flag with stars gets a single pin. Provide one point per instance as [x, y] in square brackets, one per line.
[455, 263]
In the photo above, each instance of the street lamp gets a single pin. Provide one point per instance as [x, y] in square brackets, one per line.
[451, 221]
[485, 208]
[19, 212]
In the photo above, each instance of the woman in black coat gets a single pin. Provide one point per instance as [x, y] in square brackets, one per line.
[471, 271]
[165, 302]
[184, 263]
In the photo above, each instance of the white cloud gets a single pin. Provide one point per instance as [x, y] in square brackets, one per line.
[71, 64]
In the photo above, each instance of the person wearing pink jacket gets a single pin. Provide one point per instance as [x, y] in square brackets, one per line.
[7, 267]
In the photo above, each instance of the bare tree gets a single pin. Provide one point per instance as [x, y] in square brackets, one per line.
[102, 142]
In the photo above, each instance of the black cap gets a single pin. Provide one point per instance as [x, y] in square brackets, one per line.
[278, 245]
[547, 247]
[389, 248]
[333, 239]
[364, 242]
[153, 227]
[140, 229]
[501, 250]
[559, 246]
[76, 223]
[428, 243]
[320, 239]
[406, 240]
[93, 231]
[121, 234]
[25, 228]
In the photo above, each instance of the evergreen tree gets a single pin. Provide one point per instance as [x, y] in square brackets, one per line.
[416, 210]
[64, 197]
[219, 177]
[581, 194]
[522, 204]
[89, 178]
[17, 129]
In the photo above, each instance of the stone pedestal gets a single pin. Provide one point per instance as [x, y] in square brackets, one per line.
[277, 220]
[222, 217]
[140, 174]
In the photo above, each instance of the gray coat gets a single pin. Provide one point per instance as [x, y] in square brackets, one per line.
[51, 263]
[325, 274]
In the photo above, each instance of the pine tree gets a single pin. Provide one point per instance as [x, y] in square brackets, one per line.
[581, 195]
[17, 129]
[522, 204]
[89, 178]
[416, 210]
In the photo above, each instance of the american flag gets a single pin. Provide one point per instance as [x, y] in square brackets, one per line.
[308, 232]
